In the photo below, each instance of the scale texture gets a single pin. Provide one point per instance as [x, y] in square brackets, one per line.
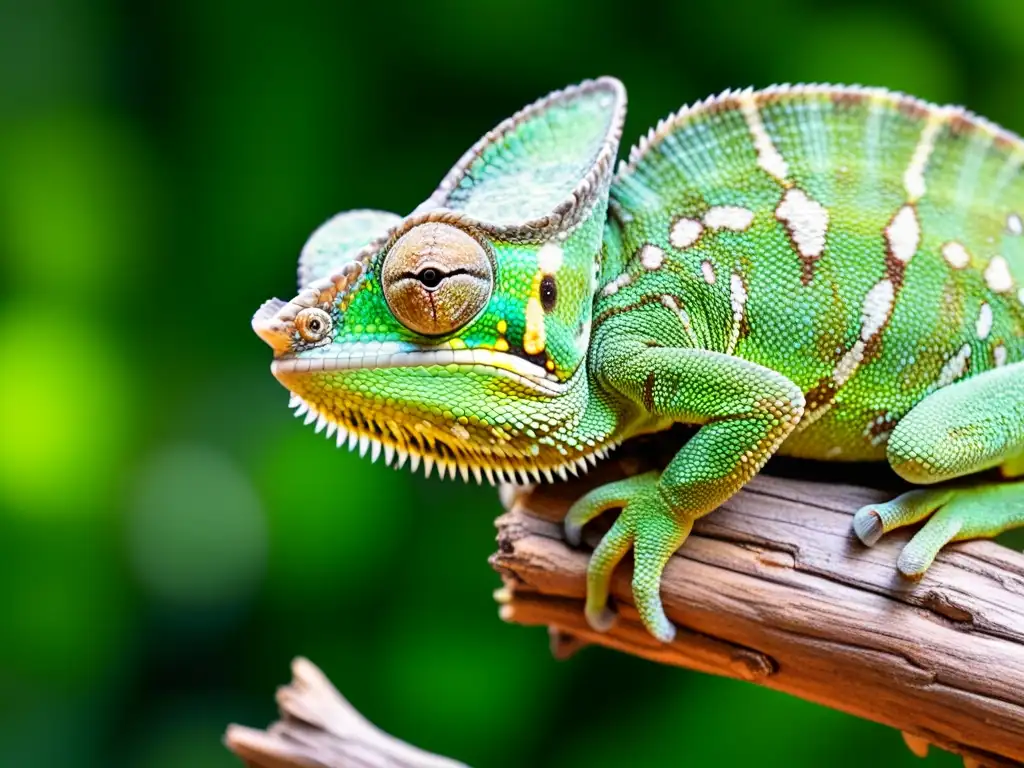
[828, 272]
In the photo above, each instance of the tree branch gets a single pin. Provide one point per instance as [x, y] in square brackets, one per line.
[320, 729]
[775, 589]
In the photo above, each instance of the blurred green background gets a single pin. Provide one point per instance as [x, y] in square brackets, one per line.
[169, 536]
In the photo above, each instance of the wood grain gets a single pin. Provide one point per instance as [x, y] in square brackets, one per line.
[775, 589]
[320, 729]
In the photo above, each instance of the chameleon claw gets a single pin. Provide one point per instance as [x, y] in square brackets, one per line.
[602, 619]
[912, 562]
[573, 533]
[867, 524]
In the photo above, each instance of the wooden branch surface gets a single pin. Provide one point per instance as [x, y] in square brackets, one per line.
[320, 729]
[775, 589]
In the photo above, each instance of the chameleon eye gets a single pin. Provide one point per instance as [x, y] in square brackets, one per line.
[313, 324]
[548, 292]
[436, 278]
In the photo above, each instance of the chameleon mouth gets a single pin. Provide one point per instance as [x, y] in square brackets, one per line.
[399, 443]
[485, 360]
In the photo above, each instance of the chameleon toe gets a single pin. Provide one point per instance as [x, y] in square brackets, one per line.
[867, 524]
[602, 619]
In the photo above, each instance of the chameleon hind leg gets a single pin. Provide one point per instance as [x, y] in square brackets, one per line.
[746, 411]
[968, 427]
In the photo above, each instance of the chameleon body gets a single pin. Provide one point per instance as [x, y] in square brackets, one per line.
[821, 271]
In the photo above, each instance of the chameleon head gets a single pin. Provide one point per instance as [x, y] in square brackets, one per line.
[457, 336]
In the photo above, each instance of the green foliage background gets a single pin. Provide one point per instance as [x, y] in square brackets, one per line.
[169, 536]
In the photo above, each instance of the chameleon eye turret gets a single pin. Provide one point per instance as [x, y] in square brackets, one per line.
[313, 324]
[436, 278]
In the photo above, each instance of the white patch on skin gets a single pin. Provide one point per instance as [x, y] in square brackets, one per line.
[913, 178]
[729, 217]
[549, 258]
[708, 270]
[850, 362]
[997, 275]
[877, 307]
[614, 286]
[738, 299]
[1014, 224]
[904, 234]
[768, 156]
[806, 220]
[651, 257]
[956, 255]
[984, 324]
[955, 367]
[737, 296]
[1020, 295]
[685, 233]
[999, 353]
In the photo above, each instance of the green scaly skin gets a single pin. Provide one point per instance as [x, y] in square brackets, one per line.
[825, 272]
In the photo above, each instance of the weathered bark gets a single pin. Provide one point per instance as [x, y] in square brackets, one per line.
[775, 589]
[320, 729]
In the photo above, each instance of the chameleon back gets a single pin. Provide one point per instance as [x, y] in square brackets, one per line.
[865, 244]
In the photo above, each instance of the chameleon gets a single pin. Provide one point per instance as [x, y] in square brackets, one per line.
[818, 271]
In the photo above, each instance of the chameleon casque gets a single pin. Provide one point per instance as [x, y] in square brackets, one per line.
[826, 272]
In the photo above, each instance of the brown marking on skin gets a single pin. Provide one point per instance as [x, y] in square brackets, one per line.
[649, 392]
[806, 270]
[960, 126]
[912, 108]
[880, 424]
[873, 346]
[724, 105]
[895, 270]
[821, 394]
[850, 101]
[609, 313]
[744, 327]
[1006, 142]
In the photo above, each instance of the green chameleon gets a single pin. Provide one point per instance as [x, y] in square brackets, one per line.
[818, 271]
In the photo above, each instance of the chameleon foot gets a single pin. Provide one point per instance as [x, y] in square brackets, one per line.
[954, 514]
[646, 524]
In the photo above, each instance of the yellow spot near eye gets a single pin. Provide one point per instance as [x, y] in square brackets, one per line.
[534, 339]
[550, 365]
[457, 344]
[501, 345]
[502, 327]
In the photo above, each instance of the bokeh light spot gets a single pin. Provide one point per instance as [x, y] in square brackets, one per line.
[65, 411]
[196, 530]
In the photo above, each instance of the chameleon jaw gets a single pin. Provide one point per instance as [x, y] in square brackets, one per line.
[379, 439]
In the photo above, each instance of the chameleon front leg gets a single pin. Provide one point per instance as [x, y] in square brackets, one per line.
[746, 411]
[970, 426]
